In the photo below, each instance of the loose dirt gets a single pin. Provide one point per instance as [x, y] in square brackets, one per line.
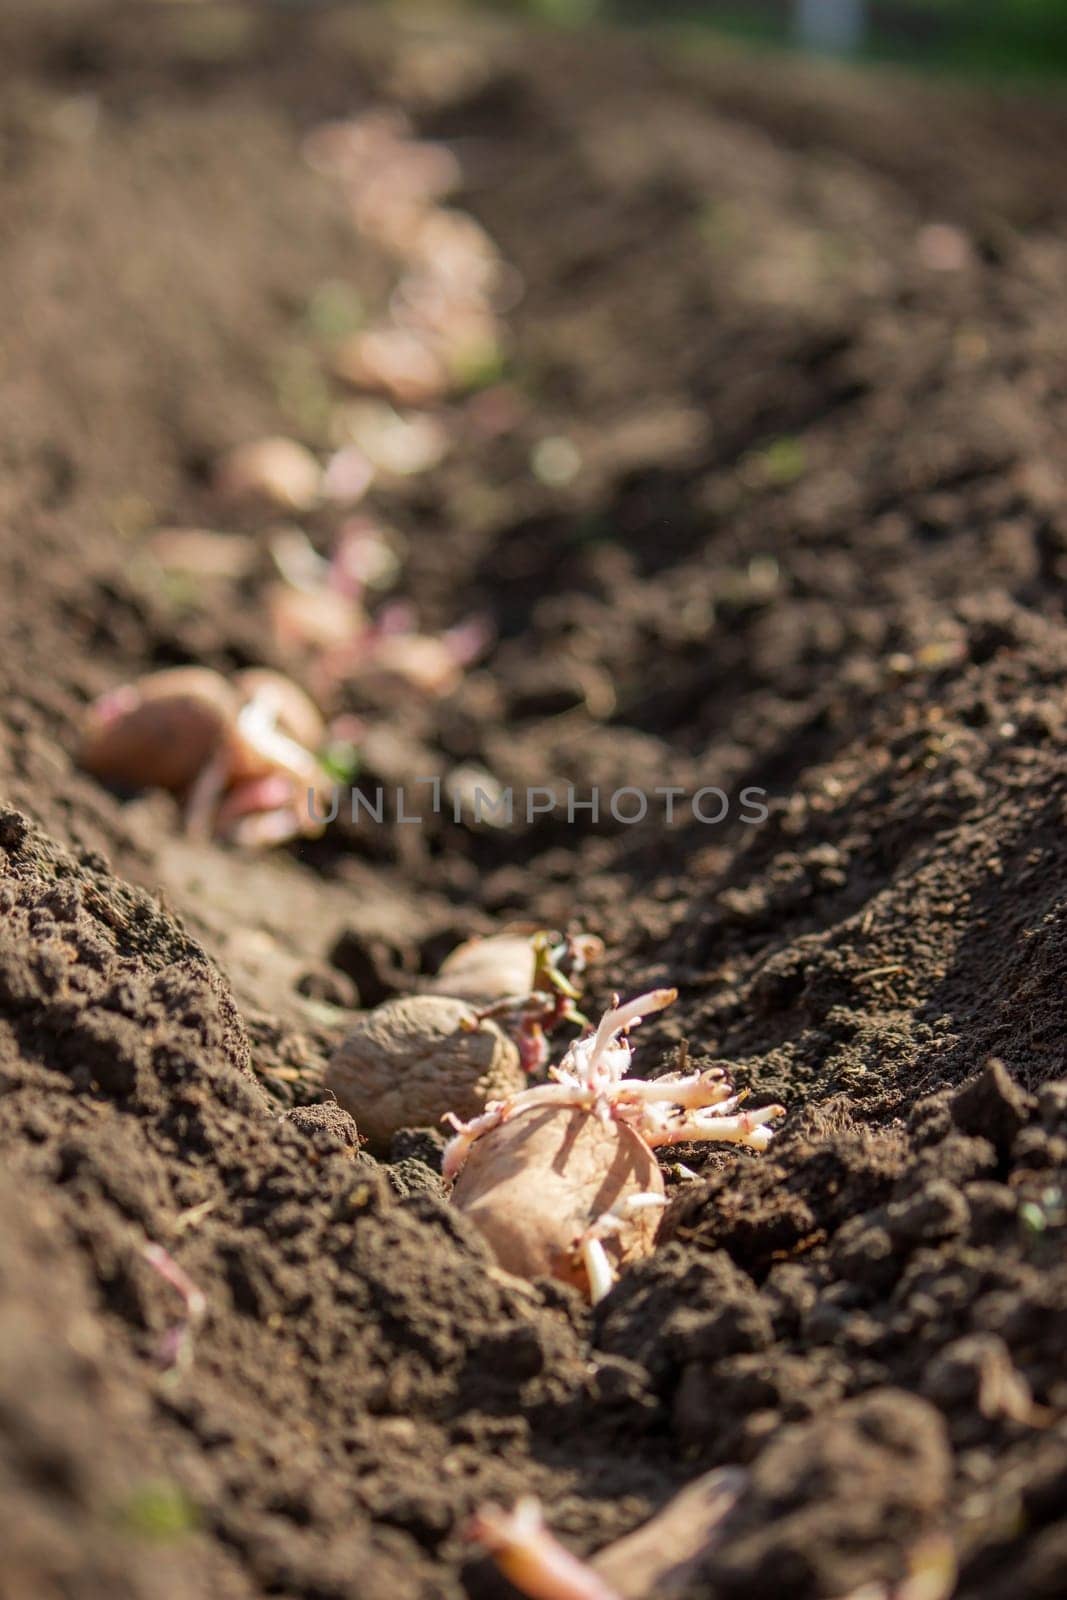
[804, 335]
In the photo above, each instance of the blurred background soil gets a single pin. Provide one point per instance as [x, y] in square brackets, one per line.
[769, 493]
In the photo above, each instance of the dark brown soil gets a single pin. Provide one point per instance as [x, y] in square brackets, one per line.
[818, 546]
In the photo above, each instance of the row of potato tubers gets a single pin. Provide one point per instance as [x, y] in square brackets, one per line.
[538, 1181]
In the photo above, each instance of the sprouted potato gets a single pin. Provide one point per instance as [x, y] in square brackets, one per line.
[563, 1177]
[238, 752]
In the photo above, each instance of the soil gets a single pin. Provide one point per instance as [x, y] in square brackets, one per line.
[804, 333]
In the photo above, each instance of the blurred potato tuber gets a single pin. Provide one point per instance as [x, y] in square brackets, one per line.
[484, 970]
[291, 711]
[161, 731]
[275, 472]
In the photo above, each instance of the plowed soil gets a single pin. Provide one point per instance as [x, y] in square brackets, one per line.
[805, 335]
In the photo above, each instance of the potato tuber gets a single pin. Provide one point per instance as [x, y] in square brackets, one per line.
[485, 970]
[239, 753]
[408, 1062]
[536, 1184]
[563, 1176]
